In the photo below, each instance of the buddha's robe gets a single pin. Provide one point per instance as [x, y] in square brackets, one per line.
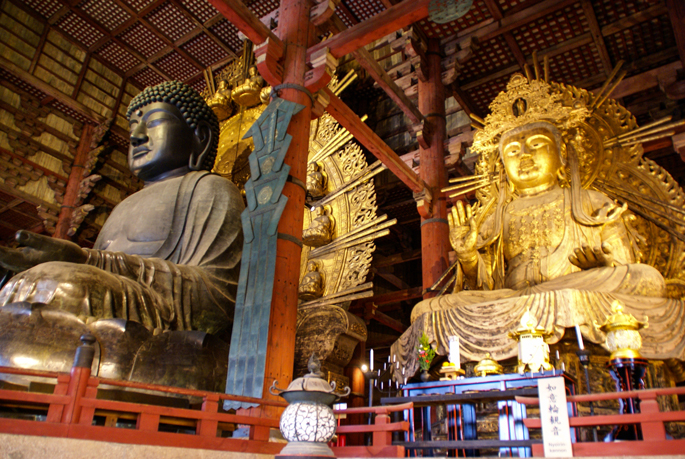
[168, 256]
[538, 237]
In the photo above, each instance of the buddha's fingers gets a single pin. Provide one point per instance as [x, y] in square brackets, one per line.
[12, 259]
[469, 214]
[33, 240]
[461, 213]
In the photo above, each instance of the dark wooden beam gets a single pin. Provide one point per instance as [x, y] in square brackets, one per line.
[369, 139]
[375, 314]
[380, 76]
[496, 12]
[552, 51]
[676, 12]
[388, 21]
[201, 27]
[51, 91]
[394, 297]
[597, 36]
[39, 48]
[464, 100]
[396, 259]
[635, 19]
[514, 21]
[644, 81]
[240, 16]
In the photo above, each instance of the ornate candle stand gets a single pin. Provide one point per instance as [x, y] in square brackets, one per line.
[626, 365]
[308, 422]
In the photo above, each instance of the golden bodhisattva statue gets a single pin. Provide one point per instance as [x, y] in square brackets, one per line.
[539, 237]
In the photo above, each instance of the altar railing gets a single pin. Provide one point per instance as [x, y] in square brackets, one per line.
[650, 421]
[73, 410]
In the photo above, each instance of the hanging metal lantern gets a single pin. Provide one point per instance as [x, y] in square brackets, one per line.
[444, 11]
[308, 422]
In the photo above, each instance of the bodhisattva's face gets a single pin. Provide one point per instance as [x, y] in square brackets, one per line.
[531, 159]
[161, 141]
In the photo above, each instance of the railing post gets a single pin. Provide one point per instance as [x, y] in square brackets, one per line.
[382, 438]
[208, 427]
[80, 373]
[55, 411]
[651, 430]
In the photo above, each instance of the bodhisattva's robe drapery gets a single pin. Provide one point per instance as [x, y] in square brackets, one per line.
[168, 256]
[536, 241]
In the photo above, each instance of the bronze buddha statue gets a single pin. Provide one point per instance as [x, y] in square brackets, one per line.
[168, 256]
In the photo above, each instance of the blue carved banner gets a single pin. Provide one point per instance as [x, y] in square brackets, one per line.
[265, 204]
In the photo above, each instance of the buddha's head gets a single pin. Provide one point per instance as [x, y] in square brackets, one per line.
[531, 156]
[172, 131]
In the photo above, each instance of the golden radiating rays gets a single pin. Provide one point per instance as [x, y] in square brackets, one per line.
[652, 131]
[471, 183]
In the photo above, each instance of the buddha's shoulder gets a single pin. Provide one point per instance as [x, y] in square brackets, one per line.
[213, 184]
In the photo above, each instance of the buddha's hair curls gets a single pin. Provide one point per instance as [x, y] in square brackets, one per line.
[191, 105]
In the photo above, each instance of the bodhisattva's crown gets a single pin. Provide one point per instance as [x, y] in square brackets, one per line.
[526, 101]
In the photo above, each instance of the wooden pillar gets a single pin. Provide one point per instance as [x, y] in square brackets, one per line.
[434, 230]
[75, 178]
[294, 30]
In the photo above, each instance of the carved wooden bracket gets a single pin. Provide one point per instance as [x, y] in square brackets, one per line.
[323, 66]
[85, 187]
[413, 48]
[99, 132]
[322, 11]
[424, 203]
[49, 217]
[267, 58]
[423, 133]
[321, 101]
[77, 217]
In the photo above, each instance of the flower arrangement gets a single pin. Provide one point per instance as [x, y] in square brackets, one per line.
[425, 353]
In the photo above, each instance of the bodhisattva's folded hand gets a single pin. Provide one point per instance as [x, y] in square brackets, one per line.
[586, 257]
[463, 231]
[37, 249]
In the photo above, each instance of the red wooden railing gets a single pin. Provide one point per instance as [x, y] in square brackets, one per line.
[381, 429]
[650, 420]
[73, 405]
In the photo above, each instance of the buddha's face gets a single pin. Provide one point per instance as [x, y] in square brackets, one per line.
[531, 159]
[161, 141]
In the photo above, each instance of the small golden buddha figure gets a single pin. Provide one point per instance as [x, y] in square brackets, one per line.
[312, 285]
[248, 93]
[220, 102]
[320, 230]
[316, 181]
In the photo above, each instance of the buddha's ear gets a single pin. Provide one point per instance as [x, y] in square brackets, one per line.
[204, 137]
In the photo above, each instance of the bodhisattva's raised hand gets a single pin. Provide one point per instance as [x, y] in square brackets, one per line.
[37, 249]
[463, 231]
[586, 257]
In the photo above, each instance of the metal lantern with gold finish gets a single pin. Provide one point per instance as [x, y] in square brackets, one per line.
[626, 365]
[622, 336]
[532, 347]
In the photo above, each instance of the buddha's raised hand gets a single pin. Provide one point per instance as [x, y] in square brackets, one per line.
[463, 231]
[37, 249]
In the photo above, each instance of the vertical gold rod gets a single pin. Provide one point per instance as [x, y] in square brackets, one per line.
[613, 86]
[606, 83]
[545, 61]
[526, 68]
[536, 67]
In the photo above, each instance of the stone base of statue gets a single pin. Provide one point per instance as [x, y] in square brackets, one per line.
[483, 319]
[332, 333]
[41, 337]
